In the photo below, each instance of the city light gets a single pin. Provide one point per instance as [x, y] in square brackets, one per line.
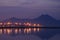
[9, 23]
[38, 25]
[34, 25]
[27, 24]
[16, 23]
[1, 23]
[19, 24]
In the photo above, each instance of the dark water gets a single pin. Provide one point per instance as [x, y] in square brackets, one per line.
[29, 34]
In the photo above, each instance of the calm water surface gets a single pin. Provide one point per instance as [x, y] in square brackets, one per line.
[29, 34]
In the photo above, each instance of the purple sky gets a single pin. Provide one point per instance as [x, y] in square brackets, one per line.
[29, 8]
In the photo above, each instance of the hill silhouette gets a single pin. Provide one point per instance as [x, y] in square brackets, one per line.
[45, 20]
[14, 19]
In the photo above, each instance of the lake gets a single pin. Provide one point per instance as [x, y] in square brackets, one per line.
[29, 34]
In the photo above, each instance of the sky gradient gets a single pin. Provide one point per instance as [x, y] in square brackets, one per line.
[29, 8]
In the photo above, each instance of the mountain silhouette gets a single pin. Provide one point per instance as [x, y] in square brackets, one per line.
[14, 19]
[45, 20]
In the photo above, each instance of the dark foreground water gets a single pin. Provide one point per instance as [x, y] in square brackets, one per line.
[29, 34]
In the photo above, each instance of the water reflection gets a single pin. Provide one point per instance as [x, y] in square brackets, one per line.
[18, 30]
[0, 31]
[9, 31]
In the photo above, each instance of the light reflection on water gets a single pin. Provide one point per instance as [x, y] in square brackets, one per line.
[20, 30]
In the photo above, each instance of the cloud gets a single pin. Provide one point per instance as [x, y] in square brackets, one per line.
[30, 3]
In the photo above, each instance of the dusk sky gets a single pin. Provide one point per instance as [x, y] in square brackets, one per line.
[29, 8]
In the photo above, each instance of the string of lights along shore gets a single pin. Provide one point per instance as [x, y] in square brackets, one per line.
[11, 24]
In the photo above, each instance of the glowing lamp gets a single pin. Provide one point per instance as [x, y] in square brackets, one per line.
[34, 24]
[16, 23]
[9, 23]
[29, 24]
[38, 25]
[1, 23]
